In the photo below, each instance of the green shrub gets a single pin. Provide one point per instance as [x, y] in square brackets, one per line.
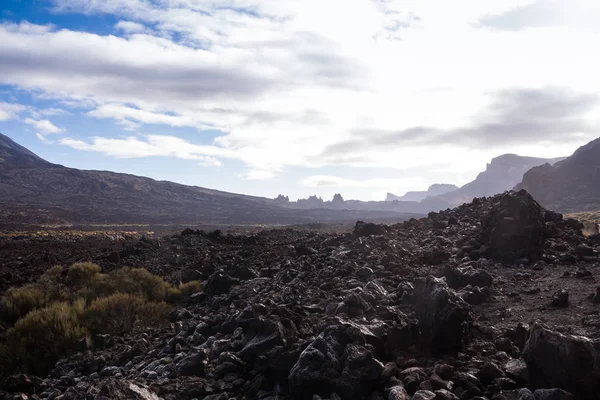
[122, 313]
[135, 281]
[17, 302]
[189, 288]
[81, 274]
[51, 284]
[44, 336]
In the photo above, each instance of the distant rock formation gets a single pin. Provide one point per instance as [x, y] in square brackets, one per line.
[501, 174]
[434, 190]
[570, 185]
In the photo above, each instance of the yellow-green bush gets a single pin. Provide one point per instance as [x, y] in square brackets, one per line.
[122, 313]
[17, 302]
[50, 320]
[189, 288]
[81, 274]
[44, 336]
[135, 281]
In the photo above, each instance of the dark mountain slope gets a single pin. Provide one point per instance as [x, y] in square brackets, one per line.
[31, 188]
[570, 185]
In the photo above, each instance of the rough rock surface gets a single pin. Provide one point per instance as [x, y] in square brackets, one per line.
[407, 310]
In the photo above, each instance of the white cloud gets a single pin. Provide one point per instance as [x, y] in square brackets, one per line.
[44, 126]
[130, 27]
[10, 110]
[150, 146]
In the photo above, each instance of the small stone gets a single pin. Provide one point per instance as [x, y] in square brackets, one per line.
[560, 298]
[423, 395]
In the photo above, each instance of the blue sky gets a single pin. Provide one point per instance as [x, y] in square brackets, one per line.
[266, 97]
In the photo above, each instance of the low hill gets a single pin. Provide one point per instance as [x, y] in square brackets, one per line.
[33, 190]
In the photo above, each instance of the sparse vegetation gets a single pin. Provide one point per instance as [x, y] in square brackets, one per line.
[53, 316]
[189, 288]
[18, 302]
[43, 336]
[122, 313]
[81, 274]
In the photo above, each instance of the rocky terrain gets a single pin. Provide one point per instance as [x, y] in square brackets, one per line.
[496, 299]
[571, 185]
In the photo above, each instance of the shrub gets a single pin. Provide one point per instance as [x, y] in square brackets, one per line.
[44, 336]
[81, 274]
[123, 313]
[189, 288]
[135, 281]
[17, 302]
[50, 283]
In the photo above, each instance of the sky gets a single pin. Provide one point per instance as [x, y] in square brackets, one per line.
[299, 97]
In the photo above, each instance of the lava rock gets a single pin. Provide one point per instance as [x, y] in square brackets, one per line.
[489, 371]
[337, 361]
[423, 395]
[219, 283]
[560, 298]
[460, 277]
[444, 317]
[514, 228]
[553, 394]
[564, 361]
[192, 365]
[120, 389]
[362, 229]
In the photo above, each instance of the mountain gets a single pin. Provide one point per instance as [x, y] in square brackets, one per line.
[570, 185]
[501, 174]
[33, 190]
[434, 190]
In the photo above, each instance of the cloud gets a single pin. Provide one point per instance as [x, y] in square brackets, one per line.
[43, 127]
[521, 116]
[131, 117]
[10, 110]
[130, 27]
[340, 182]
[545, 13]
[148, 146]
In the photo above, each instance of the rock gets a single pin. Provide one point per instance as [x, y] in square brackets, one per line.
[192, 365]
[525, 394]
[398, 393]
[244, 273]
[190, 275]
[517, 370]
[364, 272]
[362, 229]
[219, 283]
[488, 372]
[338, 361]
[513, 228]
[596, 297]
[460, 277]
[475, 295]
[443, 394]
[564, 361]
[444, 318]
[120, 389]
[412, 378]
[400, 337]
[304, 250]
[552, 394]
[583, 250]
[560, 298]
[23, 383]
[423, 395]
